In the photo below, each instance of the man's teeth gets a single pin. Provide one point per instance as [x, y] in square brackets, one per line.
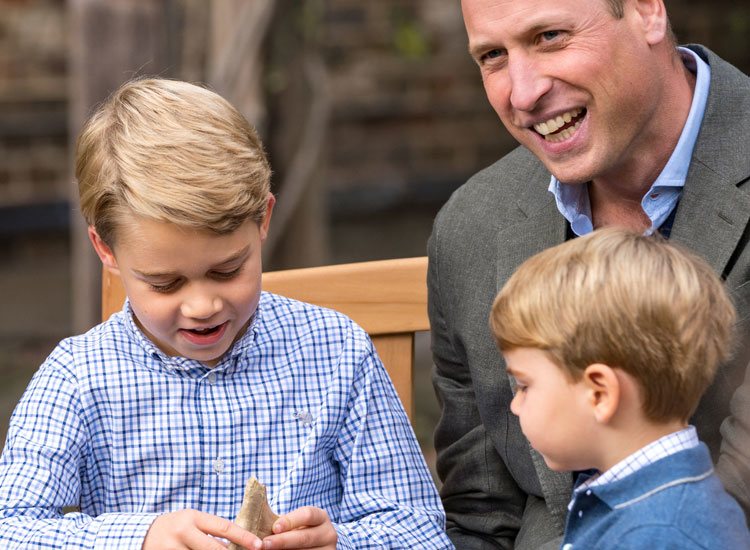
[564, 134]
[554, 124]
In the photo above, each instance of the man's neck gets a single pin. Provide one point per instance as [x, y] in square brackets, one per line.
[610, 208]
[615, 198]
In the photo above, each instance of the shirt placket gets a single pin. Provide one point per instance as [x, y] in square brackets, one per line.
[218, 475]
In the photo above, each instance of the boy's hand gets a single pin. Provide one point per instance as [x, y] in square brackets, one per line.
[306, 527]
[190, 529]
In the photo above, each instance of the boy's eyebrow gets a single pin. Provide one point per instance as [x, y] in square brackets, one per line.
[239, 255]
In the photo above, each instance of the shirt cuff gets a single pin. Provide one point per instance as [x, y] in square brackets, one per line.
[123, 531]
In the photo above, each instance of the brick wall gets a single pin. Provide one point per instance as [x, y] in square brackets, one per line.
[409, 106]
[33, 102]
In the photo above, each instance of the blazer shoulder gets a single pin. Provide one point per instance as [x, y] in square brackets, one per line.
[518, 178]
[723, 143]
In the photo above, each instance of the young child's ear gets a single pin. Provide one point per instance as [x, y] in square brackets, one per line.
[603, 391]
[103, 251]
[267, 219]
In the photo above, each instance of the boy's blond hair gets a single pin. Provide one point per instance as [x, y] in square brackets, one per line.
[170, 151]
[629, 301]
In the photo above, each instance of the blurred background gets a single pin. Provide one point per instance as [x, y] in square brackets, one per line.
[372, 113]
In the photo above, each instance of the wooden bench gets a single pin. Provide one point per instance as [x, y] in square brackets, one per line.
[388, 298]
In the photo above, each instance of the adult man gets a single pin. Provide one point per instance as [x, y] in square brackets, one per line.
[612, 120]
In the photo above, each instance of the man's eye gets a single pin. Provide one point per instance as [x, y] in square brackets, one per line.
[550, 35]
[492, 54]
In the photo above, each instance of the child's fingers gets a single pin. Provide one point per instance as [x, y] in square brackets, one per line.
[306, 527]
[307, 516]
[318, 537]
[225, 529]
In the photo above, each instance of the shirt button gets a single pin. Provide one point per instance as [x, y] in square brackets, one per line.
[212, 378]
[588, 493]
[580, 513]
[219, 465]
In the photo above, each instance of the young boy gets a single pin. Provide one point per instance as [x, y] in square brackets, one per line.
[611, 340]
[152, 422]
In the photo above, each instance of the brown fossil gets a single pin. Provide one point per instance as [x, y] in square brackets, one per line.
[255, 514]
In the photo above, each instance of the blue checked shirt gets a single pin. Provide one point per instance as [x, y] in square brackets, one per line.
[301, 401]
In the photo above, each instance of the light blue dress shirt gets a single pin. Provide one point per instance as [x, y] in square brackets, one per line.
[301, 401]
[663, 196]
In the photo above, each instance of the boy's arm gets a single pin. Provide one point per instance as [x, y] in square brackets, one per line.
[389, 498]
[40, 471]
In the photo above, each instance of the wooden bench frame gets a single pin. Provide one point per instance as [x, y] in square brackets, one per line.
[388, 298]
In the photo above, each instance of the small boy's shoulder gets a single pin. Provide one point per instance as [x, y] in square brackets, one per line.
[678, 497]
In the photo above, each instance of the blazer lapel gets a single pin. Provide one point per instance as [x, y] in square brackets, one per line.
[712, 216]
[713, 212]
[541, 229]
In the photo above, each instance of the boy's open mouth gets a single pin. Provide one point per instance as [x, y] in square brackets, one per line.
[562, 126]
[205, 331]
[206, 335]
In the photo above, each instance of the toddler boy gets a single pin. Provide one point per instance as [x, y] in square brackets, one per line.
[151, 422]
[611, 339]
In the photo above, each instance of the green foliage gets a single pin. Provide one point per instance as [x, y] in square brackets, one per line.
[409, 40]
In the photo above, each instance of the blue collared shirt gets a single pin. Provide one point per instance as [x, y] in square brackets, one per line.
[669, 444]
[674, 502]
[301, 401]
[664, 194]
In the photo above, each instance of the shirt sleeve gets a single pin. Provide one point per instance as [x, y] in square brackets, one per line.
[389, 498]
[40, 472]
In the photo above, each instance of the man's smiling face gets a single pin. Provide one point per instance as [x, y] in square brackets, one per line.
[570, 81]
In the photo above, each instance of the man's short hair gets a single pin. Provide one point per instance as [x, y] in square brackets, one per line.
[633, 302]
[616, 7]
[170, 151]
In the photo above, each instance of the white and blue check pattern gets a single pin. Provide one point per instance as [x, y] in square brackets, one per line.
[301, 401]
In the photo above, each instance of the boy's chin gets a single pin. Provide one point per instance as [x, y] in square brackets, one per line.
[557, 466]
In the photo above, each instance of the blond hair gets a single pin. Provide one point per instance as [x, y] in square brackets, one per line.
[170, 151]
[629, 301]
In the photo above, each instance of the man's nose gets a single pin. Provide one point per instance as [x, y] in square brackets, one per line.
[201, 305]
[528, 83]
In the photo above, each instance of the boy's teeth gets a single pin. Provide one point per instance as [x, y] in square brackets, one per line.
[552, 125]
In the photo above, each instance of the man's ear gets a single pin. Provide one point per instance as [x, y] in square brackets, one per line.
[602, 391]
[103, 251]
[264, 225]
[652, 17]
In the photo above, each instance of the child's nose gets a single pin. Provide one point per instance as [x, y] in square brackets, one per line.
[201, 306]
[514, 405]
